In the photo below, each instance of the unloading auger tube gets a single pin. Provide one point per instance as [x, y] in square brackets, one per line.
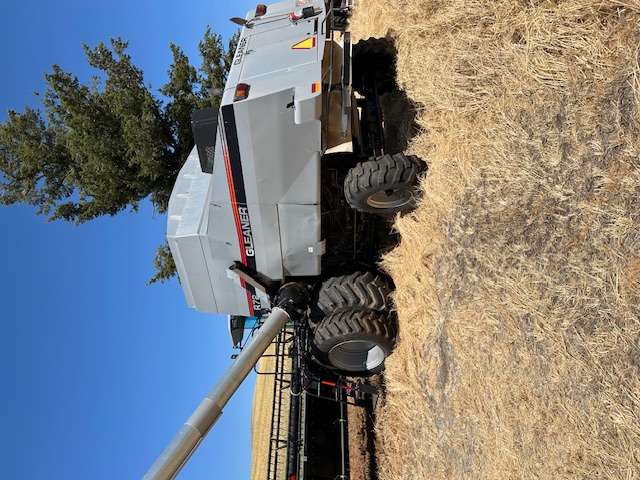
[293, 299]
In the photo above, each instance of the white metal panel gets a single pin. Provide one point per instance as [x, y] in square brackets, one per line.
[276, 151]
[187, 212]
[270, 53]
[266, 236]
[300, 236]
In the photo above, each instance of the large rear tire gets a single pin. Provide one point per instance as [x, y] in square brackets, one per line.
[386, 184]
[357, 291]
[355, 343]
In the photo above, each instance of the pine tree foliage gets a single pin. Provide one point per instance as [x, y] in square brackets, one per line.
[102, 147]
[164, 264]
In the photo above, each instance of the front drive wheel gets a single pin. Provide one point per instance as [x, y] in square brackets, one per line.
[374, 63]
[386, 184]
[355, 343]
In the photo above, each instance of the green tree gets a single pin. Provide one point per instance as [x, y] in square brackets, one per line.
[102, 147]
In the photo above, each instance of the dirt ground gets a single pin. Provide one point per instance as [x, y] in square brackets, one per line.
[518, 276]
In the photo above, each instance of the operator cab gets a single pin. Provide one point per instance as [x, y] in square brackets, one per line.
[237, 326]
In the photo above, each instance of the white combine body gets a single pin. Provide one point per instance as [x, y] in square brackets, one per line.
[260, 204]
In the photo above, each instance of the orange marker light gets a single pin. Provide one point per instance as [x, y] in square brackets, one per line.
[242, 92]
[315, 87]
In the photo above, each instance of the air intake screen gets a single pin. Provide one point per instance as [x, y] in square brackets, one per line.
[204, 124]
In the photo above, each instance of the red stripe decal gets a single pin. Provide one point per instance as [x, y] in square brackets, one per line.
[236, 215]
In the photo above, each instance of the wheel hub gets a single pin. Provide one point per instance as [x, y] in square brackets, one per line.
[356, 355]
[389, 199]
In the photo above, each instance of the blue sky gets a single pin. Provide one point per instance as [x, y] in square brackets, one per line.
[97, 370]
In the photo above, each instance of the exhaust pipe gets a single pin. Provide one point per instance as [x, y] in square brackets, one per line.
[293, 301]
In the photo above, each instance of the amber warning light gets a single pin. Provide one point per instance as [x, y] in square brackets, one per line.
[242, 91]
[261, 10]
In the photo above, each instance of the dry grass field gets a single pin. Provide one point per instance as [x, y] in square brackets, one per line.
[261, 418]
[518, 277]
[261, 415]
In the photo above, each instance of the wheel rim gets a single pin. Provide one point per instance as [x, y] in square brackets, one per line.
[390, 199]
[356, 355]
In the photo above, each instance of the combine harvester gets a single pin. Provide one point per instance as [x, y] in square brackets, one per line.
[280, 215]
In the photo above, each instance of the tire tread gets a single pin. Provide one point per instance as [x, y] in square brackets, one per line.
[398, 171]
[357, 290]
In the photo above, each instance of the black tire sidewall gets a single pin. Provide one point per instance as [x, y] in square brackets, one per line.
[323, 344]
[365, 180]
